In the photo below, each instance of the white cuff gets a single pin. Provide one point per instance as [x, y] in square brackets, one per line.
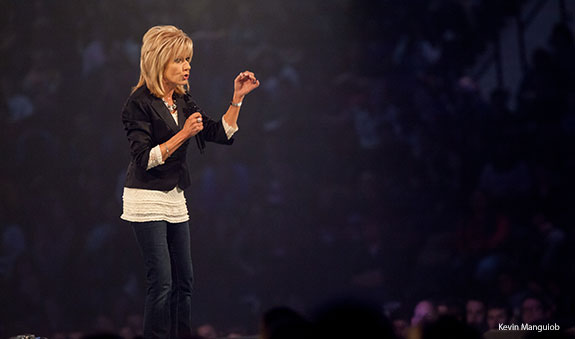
[155, 157]
[229, 129]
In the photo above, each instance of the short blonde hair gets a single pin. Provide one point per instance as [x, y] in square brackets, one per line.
[160, 45]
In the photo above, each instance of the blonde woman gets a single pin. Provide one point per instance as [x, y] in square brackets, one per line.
[160, 118]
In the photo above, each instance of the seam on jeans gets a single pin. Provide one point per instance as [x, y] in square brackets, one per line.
[177, 290]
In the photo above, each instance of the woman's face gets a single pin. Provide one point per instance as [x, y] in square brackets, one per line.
[177, 72]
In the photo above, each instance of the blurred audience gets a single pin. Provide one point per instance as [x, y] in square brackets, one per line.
[475, 314]
[423, 312]
[535, 310]
[498, 313]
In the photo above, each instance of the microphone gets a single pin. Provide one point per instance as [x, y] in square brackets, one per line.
[199, 137]
[200, 142]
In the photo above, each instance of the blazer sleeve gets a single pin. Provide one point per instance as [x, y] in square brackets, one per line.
[213, 130]
[138, 127]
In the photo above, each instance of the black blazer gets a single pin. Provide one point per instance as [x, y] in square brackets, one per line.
[148, 123]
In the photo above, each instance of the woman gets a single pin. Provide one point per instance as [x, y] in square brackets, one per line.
[159, 119]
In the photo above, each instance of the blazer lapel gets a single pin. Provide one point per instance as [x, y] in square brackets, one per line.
[181, 117]
[163, 112]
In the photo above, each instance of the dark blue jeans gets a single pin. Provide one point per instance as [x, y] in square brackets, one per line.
[169, 277]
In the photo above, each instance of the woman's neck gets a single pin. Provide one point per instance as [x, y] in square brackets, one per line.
[169, 95]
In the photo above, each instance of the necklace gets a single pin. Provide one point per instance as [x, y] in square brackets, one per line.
[172, 108]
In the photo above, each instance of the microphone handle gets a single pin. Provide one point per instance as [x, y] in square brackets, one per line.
[200, 142]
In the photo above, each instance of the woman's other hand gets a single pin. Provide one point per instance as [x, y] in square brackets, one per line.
[193, 124]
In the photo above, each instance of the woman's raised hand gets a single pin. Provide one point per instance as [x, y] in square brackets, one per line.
[244, 83]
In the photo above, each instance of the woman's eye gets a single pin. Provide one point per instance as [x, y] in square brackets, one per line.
[188, 59]
[178, 60]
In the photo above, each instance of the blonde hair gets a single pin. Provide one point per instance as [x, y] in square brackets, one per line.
[160, 45]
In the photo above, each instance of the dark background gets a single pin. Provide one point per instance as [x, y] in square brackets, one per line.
[368, 163]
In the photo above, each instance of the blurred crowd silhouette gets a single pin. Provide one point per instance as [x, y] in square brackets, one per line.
[369, 165]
